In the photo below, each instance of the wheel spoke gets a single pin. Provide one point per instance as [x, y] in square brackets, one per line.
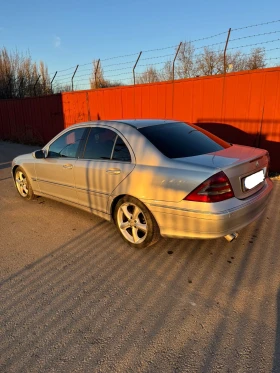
[135, 235]
[126, 212]
[142, 227]
[24, 188]
[136, 212]
[124, 225]
[20, 176]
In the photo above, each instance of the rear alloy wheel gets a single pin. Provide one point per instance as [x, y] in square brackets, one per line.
[22, 184]
[135, 223]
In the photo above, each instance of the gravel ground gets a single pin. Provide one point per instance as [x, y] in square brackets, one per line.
[75, 298]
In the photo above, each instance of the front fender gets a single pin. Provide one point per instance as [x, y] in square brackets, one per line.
[28, 165]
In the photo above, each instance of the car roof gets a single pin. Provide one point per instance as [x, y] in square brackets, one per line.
[135, 123]
[139, 123]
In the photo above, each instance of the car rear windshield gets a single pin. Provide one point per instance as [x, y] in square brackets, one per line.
[179, 140]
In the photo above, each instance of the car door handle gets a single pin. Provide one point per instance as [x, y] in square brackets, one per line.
[113, 171]
[68, 165]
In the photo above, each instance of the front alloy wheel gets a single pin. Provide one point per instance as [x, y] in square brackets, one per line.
[22, 184]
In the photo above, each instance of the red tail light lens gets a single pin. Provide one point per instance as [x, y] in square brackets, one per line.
[215, 189]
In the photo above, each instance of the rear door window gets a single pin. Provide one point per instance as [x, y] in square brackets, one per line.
[100, 143]
[121, 152]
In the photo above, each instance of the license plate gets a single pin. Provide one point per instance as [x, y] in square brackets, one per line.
[253, 180]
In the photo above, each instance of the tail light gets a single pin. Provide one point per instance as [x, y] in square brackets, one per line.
[215, 189]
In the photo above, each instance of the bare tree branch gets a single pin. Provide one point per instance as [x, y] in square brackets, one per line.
[150, 75]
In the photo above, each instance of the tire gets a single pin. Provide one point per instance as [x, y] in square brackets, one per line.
[135, 223]
[22, 184]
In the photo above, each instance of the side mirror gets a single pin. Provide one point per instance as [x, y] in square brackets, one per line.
[39, 154]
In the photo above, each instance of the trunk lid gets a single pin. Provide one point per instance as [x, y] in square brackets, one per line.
[237, 162]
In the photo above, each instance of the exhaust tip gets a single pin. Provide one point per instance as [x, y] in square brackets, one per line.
[231, 237]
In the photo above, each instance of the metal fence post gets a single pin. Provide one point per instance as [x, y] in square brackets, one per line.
[135, 66]
[95, 73]
[173, 66]
[73, 77]
[225, 52]
[34, 87]
[52, 81]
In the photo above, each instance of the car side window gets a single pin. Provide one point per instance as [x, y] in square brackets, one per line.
[100, 143]
[67, 145]
[121, 152]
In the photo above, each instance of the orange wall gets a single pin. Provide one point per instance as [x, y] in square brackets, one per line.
[240, 107]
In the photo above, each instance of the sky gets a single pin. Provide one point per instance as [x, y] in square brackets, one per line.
[66, 33]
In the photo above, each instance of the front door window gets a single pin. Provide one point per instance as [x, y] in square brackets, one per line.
[67, 145]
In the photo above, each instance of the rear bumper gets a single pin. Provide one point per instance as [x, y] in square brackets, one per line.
[180, 223]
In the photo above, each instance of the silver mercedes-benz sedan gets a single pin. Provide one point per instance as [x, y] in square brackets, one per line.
[151, 178]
